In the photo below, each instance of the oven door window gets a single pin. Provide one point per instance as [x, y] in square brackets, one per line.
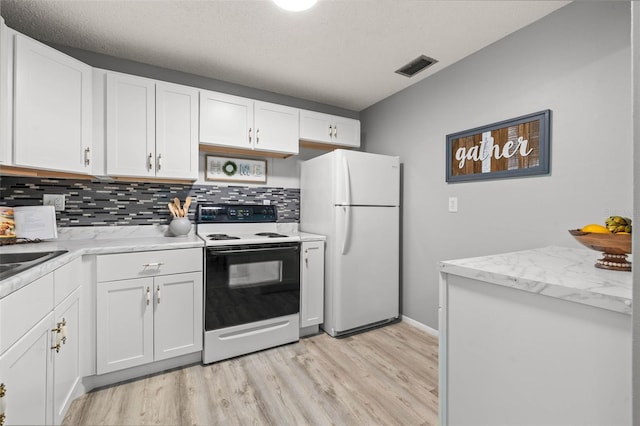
[245, 284]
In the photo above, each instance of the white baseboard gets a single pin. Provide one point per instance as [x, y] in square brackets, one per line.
[420, 326]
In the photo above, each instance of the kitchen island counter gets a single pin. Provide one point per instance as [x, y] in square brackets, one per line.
[536, 336]
[559, 272]
[80, 241]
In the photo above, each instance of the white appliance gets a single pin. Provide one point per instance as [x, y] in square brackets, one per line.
[252, 280]
[353, 198]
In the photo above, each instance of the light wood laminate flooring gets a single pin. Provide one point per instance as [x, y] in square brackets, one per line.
[386, 376]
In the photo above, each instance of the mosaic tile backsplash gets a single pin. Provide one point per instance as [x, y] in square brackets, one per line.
[89, 203]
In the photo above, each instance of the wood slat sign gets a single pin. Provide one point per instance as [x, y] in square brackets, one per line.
[510, 148]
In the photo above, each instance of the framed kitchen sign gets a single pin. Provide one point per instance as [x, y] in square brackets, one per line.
[510, 148]
[236, 169]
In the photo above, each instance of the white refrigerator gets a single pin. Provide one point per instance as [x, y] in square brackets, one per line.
[353, 198]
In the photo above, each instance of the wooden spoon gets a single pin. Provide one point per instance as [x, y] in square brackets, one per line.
[172, 209]
[185, 208]
[176, 201]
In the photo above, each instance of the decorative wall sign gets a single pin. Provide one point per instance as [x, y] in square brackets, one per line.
[510, 148]
[235, 169]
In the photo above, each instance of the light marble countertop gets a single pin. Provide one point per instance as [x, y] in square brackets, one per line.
[92, 240]
[559, 272]
[80, 241]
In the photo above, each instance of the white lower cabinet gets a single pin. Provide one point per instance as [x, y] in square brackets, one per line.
[39, 371]
[24, 376]
[312, 283]
[148, 318]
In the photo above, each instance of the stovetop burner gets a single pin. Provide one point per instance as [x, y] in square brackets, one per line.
[270, 235]
[219, 237]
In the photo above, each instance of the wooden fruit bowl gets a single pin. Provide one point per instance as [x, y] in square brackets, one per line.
[614, 247]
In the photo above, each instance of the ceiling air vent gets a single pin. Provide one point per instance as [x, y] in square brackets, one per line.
[415, 66]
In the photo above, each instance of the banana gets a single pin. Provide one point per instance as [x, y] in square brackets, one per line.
[617, 224]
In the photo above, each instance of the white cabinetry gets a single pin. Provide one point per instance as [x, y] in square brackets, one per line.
[312, 283]
[320, 128]
[149, 307]
[151, 128]
[39, 346]
[237, 123]
[6, 92]
[52, 109]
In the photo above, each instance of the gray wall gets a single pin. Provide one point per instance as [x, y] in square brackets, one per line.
[575, 62]
[635, 53]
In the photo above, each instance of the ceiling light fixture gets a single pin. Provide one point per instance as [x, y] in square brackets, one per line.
[295, 5]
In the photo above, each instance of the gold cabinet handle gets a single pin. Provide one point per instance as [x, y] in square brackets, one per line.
[3, 406]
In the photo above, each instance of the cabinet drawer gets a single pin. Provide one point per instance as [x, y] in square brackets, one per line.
[113, 267]
[67, 279]
[21, 310]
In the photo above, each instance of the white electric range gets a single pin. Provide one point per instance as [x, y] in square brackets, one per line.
[252, 280]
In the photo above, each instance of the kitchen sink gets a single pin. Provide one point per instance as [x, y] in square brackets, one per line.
[14, 263]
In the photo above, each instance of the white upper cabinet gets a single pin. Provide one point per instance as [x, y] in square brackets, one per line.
[150, 128]
[239, 123]
[52, 109]
[226, 120]
[276, 128]
[176, 131]
[6, 84]
[130, 127]
[320, 128]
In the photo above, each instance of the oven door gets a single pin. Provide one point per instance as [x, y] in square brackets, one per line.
[249, 283]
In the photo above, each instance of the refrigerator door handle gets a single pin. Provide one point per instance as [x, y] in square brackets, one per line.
[347, 228]
[347, 181]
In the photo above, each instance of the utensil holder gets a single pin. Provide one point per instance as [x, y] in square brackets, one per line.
[180, 226]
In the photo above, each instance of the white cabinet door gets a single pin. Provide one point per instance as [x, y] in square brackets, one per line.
[312, 283]
[6, 86]
[226, 120]
[52, 108]
[24, 372]
[66, 362]
[176, 131]
[276, 128]
[130, 126]
[178, 315]
[329, 129]
[124, 324]
[346, 132]
[316, 126]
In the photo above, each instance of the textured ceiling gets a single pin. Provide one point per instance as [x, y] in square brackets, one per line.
[341, 52]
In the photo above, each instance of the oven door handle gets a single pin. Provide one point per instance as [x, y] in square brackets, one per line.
[239, 251]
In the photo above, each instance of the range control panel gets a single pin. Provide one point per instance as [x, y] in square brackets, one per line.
[230, 213]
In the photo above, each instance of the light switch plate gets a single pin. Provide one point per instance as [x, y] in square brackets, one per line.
[453, 204]
[55, 200]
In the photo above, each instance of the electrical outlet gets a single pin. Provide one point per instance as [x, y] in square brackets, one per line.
[453, 204]
[55, 200]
